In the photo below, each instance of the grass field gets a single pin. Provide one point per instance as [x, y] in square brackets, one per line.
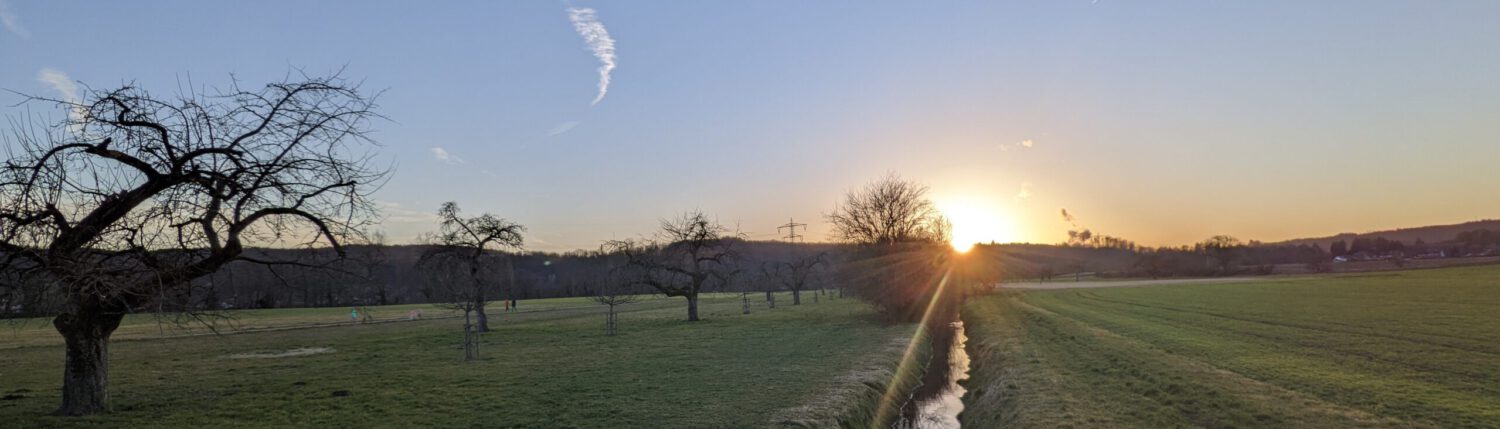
[540, 369]
[1416, 348]
[39, 332]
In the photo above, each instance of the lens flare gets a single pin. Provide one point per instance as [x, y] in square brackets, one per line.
[889, 402]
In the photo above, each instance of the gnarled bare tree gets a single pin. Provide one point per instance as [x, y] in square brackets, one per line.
[689, 254]
[471, 238]
[134, 196]
[889, 211]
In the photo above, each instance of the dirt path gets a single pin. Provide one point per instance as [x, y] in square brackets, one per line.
[1127, 283]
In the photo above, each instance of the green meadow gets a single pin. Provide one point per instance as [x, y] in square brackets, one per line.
[1418, 348]
[548, 365]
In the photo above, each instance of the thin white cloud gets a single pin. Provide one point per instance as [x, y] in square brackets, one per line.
[59, 82]
[395, 212]
[586, 22]
[405, 224]
[1023, 144]
[12, 22]
[68, 90]
[1025, 192]
[562, 128]
[442, 155]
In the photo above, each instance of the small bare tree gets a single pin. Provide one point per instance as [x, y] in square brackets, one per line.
[689, 254]
[612, 292]
[132, 197]
[471, 238]
[794, 275]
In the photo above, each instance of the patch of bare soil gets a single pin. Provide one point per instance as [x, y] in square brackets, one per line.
[281, 354]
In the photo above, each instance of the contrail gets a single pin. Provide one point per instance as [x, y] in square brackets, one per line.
[587, 23]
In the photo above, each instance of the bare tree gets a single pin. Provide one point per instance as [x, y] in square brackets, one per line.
[134, 196]
[794, 275]
[899, 263]
[889, 211]
[452, 275]
[689, 254]
[1223, 249]
[471, 238]
[612, 292]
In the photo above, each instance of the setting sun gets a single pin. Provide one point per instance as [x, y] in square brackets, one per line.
[977, 221]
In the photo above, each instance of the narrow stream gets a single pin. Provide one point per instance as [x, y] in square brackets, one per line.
[937, 403]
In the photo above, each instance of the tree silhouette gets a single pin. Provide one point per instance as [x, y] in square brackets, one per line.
[123, 204]
[470, 238]
[689, 254]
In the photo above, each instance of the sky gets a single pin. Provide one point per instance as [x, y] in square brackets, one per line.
[1160, 121]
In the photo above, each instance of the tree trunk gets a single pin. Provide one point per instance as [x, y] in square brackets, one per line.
[609, 321]
[482, 319]
[471, 344]
[768, 296]
[692, 307]
[86, 363]
[745, 299]
[796, 296]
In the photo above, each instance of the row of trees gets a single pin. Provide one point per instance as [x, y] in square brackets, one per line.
[1464, 243]
[140, 203]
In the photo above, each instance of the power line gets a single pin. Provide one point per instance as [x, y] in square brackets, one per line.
[791, 227]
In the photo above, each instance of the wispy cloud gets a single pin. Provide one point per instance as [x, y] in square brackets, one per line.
[442, 155]
[68, 90]
[395, 212]
[59, 82]
[586, 22]
[562, 128]
[1023, 144]
[12, 22]
[1025, 192]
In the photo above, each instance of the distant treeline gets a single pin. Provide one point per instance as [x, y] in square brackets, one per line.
[383, 275]
[1092, 254]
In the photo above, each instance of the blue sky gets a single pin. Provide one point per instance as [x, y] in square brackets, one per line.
[1164, 122]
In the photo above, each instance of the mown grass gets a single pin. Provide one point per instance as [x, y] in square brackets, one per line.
[540, 369]
[1410, 349]
[39, 331]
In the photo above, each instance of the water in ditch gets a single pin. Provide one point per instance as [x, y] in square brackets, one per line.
[937, 403]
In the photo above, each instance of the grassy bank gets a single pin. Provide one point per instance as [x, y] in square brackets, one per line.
[1414, 348]
[541, 369]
